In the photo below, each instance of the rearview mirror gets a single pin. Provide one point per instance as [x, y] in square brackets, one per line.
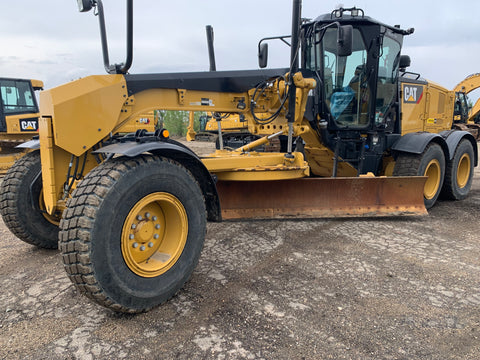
[84, 5]
[344, 40]
[263, 55]
[404, 61]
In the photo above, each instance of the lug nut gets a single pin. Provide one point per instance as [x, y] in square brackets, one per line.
[139, 218]
[156, 236]
[150, 244]
[157, 226]
[135, 245]
[142, 248]
[154, 218]
[134, 226]
[131, 236]
[147, 215]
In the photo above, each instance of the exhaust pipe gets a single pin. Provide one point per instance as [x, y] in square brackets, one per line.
[296, 20]
[211, 52]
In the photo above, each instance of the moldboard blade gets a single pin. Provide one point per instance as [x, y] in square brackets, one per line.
[322, 197]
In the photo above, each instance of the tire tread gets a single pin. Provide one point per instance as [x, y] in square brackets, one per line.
[12, 185]
[76, 224]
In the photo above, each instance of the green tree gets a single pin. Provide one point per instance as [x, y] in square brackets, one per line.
[176, 122]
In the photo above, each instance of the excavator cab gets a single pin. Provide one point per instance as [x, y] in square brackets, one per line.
[460, 113]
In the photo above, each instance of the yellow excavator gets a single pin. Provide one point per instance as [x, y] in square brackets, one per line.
[467, 118]
[376, 140]
[19, 116]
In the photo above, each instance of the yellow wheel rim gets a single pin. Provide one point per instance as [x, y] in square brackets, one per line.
[433, 172]
[463, 171]
[154, 234]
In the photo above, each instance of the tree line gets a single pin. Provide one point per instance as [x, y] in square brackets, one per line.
[176, 122]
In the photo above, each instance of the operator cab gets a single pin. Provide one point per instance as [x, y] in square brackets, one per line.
[461, 110]
[17, 97]
[357, 92]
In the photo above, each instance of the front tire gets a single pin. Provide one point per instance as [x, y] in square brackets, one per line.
[459, 172]
[133, 231]
[430, 163]
[21, 204]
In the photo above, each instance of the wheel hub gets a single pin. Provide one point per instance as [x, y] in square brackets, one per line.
[154, 234]
[433, 172]
[463, 171]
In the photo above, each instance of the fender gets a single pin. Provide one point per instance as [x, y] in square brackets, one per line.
[416, 143]
[180, 153]
[132, 148]
[31, 144]
[453, 137]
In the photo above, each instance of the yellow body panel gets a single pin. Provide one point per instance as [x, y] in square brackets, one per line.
[87, 110]
[255, 166]
[426, 107]
[55, 164]
[320, 160]
[37, 84]
[14, 127]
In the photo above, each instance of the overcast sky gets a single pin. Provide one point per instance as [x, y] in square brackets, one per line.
[53, 42]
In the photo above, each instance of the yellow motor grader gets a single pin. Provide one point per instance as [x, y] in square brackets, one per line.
[376, 140]
[19, 116]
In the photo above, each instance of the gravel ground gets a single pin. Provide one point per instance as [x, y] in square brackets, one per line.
[390, 288]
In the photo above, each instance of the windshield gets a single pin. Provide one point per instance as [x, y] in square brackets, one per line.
[17, 97]
[345, 78]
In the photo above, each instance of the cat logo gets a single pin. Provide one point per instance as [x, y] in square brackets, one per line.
[412, 94]
[29, 124]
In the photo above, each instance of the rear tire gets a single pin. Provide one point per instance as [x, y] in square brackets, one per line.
[133, 231]
[459, 172]
[430, 163]
[21, 204]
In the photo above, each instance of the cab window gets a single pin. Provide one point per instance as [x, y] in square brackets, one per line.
[17, 97]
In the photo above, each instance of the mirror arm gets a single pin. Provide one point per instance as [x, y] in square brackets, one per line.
[123, 67]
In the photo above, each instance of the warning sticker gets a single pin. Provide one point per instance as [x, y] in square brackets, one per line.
[207, 102]
[203, 102]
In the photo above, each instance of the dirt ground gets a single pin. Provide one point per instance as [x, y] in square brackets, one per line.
[390, 288]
